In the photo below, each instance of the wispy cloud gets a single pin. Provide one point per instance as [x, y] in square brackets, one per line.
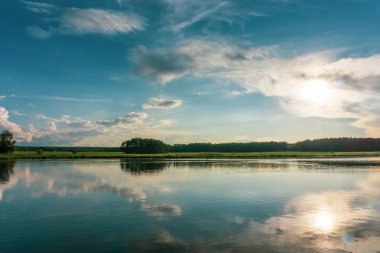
[129, 120]
[257, 14]
[17, 113]
[40, 8]
[87, 21]
[197, 18]
[38, 32]
[76, 21]
[162, 103]
[2, 97]
[67, 99]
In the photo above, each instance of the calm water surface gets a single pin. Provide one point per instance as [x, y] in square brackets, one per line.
[190, 206]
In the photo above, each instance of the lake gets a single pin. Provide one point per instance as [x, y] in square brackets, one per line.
[305, 205]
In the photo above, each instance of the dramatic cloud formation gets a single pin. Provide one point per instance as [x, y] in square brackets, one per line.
[162, 103]
[317, 84]
[75, 21]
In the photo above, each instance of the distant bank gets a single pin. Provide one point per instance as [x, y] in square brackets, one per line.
[187, 155]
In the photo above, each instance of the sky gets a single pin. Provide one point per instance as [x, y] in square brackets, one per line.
[98, 72]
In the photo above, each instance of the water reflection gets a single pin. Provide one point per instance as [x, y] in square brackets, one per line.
[142, 167]
[206, 206]
[6, 170]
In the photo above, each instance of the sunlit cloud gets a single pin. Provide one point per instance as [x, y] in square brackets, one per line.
[316, 84]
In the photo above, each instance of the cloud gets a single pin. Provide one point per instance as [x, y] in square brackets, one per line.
[257, 14]
[2, 97]
[69, 129]
[198, 57]
[69, 124]
[19, 133]
[160, 66]
[67, 99]
[319, 84]
[197, 18]
[38, 32]
[76, 21]
[96, 21]
[17, 113]
[39, 8]
[161, 103]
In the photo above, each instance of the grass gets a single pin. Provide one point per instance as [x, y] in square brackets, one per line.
[269, 155]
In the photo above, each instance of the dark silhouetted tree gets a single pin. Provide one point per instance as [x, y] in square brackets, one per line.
[143, 146]
[7, 143]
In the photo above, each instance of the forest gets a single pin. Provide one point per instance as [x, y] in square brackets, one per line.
[344, 144]
[152, 146]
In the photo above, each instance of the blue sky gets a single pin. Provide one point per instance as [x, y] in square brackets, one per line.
[94, 73]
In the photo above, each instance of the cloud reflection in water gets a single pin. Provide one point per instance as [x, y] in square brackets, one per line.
[335, 220]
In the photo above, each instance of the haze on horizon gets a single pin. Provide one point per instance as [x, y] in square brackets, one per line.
[94, 73]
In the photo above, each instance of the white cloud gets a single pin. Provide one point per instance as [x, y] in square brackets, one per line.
[2, 97]
[87, 21]
[76, 21]
[317, 84]
[19, 133]
[162, 103]
[69, 129]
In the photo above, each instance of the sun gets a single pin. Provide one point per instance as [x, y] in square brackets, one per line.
[316, 92]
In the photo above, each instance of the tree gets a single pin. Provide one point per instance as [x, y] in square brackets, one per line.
[7, 143]
[143, 146]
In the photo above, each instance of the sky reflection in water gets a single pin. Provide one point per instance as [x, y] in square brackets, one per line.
[191, 206]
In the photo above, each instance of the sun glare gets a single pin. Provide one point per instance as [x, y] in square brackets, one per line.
[316, 92]
[323, 221]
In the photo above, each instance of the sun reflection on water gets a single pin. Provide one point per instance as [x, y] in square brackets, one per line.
[323, 220]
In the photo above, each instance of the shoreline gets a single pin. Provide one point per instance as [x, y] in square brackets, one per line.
[23, 155]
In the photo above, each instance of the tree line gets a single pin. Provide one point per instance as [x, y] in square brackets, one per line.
[152, 146]
[344, 144]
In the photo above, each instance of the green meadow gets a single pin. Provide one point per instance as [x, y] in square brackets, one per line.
[193, 155]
